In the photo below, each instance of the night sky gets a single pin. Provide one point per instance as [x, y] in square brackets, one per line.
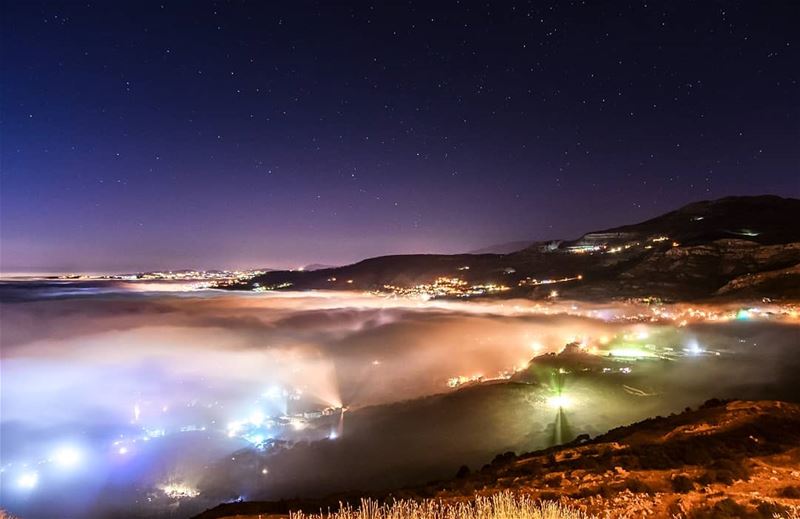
[144, 135]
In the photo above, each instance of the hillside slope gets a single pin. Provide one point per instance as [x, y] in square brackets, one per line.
[726, 459]
[696, 252]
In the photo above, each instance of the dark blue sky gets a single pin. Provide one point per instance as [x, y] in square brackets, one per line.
[140, 135]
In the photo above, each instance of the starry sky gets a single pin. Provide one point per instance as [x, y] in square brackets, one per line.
[144, 135]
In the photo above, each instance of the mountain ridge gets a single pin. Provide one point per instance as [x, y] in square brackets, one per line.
[690, 253]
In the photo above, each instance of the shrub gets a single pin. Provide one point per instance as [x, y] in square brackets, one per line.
[725, 509]
[770, 510]
[604, 490]
[682, 484]
[714, 402]
[554, 480]
[637, 486]
[582, 438]
[588, 463]
[503, 459]
[790, 492]
[726, 471]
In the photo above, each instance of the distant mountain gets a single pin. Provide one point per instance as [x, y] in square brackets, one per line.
[504, 248]
[317, 266]
[735, 247]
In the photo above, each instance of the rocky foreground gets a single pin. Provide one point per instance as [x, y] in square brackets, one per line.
[738, 459]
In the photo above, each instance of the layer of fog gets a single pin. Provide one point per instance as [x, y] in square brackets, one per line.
[75, 369]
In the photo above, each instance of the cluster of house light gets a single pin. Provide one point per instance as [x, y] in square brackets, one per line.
[533, 282]
[605, 249]
[169, 275]
[445, 287]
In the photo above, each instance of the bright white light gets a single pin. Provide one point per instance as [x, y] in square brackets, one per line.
[333, 435]
[234, 428]
[179, 491]
[123, 450]
[633, 353]
[256, 417]
[559, 401]
[255, 439]
[694, 348]
[28, 480]
[67, 456]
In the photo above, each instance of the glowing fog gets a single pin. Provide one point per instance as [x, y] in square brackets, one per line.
[163, 401]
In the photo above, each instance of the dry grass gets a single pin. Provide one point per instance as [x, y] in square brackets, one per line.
[503, 505]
